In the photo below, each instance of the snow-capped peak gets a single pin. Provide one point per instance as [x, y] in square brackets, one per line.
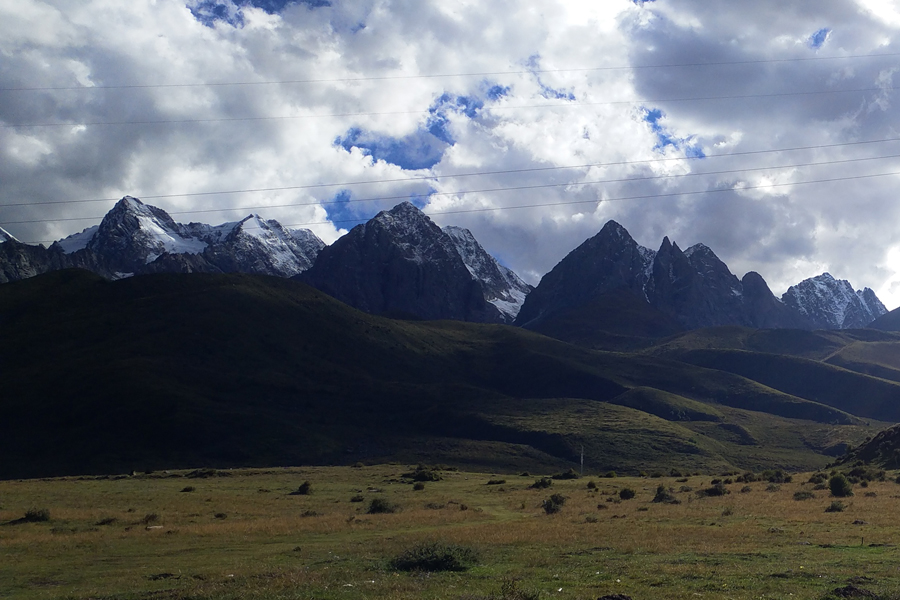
[833, 303]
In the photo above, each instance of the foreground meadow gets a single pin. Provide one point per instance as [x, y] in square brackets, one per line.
[250, 534]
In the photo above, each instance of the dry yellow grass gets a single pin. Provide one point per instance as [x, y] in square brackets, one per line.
[245, 536]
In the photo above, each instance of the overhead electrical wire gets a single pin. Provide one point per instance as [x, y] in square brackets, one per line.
[445, 75]
[565, 104]
[426, 178]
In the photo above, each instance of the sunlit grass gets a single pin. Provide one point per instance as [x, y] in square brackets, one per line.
[244, 536]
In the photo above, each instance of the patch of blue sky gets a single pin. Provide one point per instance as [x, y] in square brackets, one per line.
[230, 11]
[818, 39]
[664, 137]
[642, 2]
[494, 91]
[533, 64]
[421, 149]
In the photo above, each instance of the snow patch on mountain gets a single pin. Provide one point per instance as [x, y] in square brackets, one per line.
[502, 287]
[77, 241]
[5, 236]
[833, 303]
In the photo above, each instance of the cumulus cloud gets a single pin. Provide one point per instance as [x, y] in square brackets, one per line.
[531, 123]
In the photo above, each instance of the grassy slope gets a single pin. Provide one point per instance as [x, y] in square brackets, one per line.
[171, 370]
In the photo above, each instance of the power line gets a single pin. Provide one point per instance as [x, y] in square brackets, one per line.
[445, 75]
[470, 174]
[517, 188]
[566, 104]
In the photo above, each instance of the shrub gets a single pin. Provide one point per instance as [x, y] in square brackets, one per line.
[496, 481]
[418, 486]
[804, 495]
[818, 478]
[189, 488]
[541, 484]
[665, 496]
[715, 490]
[776, 476]
[592, 485]
[150, 518]
[570, 474]
[435, 556]
[773, 487]
[840, 487]
[221, 516]
[612, 475]
[106, 521]
[305, 489]
[553, 504]
[748, 477]
[746, 489]
[423, 473]
[380, 506]
[835, 506]
[357, 498]
[37, 515]
[728, 511]
[309, 513]
[590, 519]
[626, 494]
[509, 590]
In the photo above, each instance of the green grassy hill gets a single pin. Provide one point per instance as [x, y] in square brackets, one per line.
[167, 371]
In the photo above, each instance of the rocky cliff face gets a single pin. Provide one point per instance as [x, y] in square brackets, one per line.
[400, 263]
[694, 287]
[833, 303]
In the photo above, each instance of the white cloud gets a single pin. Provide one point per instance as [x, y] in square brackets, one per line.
[562, 114]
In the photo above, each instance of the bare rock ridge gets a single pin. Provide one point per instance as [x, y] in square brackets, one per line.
[833, 303]
[693, 287]
[400, 263]
[135, 238]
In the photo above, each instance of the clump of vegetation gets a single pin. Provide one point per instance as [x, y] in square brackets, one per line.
[665, 496]
[509, 590]
[188, 489]
[309, 513]
[106, 521]
[305, 489]
[776, 476]
[553, 504]
[357, 498]
[496, 481]
[748, 477]
[541, 484]
[592, 485]
[835, 506]
[434, 557]
[746, 489]
[150, 518]
[773, 487]
[626, 494]
[804, 495]
[570, 474]
[728, 511]
[380, 506]
[423, 473]
[818, 478]
[612, 475]
[717, 489]
[840, 487]
[37, 515]
[862, 473]
[221, 515]
[419, 486]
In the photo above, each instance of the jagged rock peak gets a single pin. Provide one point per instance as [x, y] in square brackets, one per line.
[833, 303]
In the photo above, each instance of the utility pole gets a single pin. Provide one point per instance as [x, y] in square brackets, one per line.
[582, 460]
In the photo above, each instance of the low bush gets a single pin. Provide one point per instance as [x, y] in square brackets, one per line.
[715, 490]
[305, 489]
[541, 484]
[434, 557]
[553, 504]
[840, 486]
[150, 518]
[570, 474]
[626, 494]
[189, 488]
[496, 481]
[357, 498]
[37, 515]
[746, 489]
[423, 473]
[776, 476]
[804, 495]
[592, 485]
[835, 506]
[379, 506]
[665, 496]
[418, 486]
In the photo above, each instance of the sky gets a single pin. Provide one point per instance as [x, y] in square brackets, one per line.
[766, 130]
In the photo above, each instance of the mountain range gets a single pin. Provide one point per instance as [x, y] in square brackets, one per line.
[610, 292]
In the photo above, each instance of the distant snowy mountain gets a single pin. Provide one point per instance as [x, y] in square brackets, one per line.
[833, 303]
[136, 238]
[400, 263]
[502, 287]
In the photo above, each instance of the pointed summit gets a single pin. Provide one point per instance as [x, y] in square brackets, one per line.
[400, 263]
[833, 303]
[608, 261]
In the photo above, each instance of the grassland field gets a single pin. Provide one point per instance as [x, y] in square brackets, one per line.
[242, 534]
